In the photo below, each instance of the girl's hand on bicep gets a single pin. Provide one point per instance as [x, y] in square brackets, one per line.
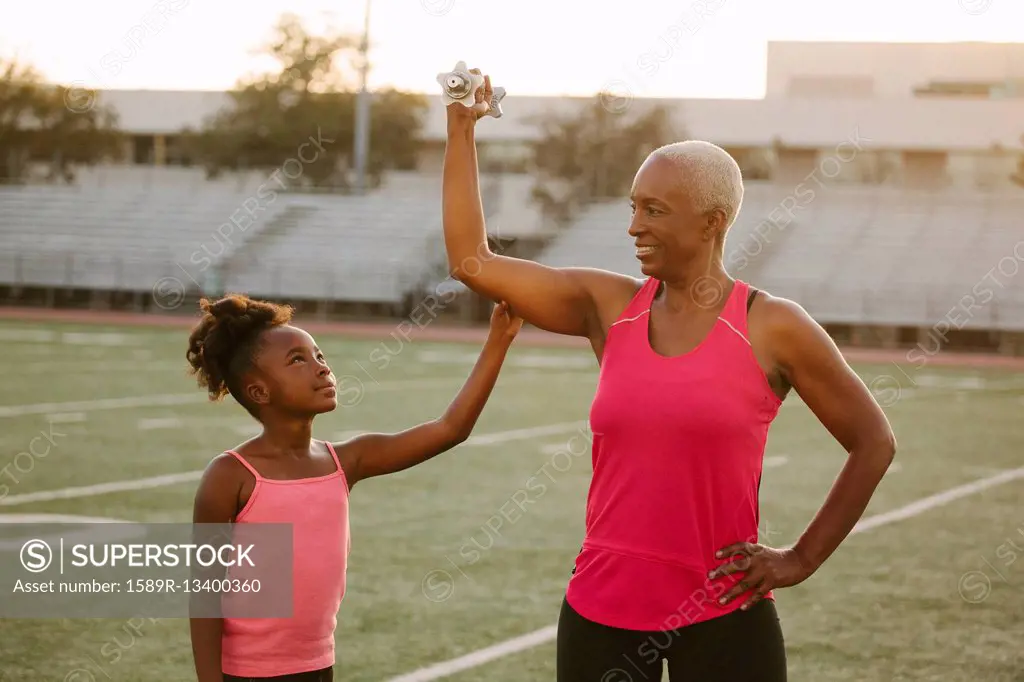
[505, 324]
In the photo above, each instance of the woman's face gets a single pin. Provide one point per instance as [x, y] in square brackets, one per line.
[668, 230]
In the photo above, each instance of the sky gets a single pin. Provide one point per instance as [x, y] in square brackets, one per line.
[715, 48]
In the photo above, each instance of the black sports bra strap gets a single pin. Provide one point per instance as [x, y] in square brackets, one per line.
[750, 298]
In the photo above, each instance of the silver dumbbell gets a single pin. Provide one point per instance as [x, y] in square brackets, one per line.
[459, 85]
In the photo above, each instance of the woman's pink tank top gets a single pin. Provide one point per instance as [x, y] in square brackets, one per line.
[317, 508]
[677, 453]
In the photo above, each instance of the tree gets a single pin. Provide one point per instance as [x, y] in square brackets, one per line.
[55, 127]
[594, 154]
[311, 96]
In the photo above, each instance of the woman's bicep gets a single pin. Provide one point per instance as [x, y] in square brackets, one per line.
[816, 369]
[559, 300]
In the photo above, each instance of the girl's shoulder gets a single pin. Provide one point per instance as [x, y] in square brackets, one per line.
[222, 482]
[227, 461]
[225, 468]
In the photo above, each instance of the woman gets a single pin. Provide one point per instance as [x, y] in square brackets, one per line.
[694, 367]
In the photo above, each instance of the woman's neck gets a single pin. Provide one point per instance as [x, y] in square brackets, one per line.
[697, 288]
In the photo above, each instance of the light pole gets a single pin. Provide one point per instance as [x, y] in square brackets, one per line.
[362, 127]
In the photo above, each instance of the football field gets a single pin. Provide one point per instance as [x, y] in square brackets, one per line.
[455, 561]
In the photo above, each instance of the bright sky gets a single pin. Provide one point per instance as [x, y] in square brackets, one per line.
[529, 46]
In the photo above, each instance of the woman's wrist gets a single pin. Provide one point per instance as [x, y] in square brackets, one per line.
[460, 125]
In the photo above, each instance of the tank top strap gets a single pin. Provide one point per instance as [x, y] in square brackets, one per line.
[735, 312]
[640, 304]
[647, 292]
[248, 466]
[337, 462]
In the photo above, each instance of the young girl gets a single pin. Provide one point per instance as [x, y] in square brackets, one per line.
[278, 374]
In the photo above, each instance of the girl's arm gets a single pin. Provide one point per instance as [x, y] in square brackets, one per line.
[376, 454]
[215, 502]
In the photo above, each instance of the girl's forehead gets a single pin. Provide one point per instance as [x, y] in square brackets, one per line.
[287, 337]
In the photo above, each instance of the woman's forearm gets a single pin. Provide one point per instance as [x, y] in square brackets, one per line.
[845, 503]
[465, 235]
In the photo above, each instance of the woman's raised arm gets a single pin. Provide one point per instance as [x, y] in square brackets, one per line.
[572, 301]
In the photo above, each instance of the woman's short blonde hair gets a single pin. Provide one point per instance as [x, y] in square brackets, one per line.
[711, 176]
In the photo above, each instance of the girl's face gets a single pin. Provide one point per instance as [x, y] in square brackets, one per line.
[292, 375]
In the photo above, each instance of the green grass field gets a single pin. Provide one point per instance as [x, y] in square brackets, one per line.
[936, 594]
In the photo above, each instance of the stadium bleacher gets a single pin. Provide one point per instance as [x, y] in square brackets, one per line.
[352, 248]
[129, 237]
[119, 238]
[851, 254]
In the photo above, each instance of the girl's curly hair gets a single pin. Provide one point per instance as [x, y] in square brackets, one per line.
[223, 345]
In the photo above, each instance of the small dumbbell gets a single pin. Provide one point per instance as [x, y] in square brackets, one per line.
[459, 85]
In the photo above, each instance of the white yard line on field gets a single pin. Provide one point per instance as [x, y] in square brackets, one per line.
[114, 530]
[70, 338]
[66, 367]
[66, 418]
[189, 476]
[57, 518]
[159, 423]
[481, 656]
[101, 488]
[936, 500]
[531, 432]
[167, 399]
[158, 400]
[547, 634]
[534, 360]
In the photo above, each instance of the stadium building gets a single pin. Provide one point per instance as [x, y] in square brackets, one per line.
[880, 195]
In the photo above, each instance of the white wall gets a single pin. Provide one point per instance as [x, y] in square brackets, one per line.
[894, 68]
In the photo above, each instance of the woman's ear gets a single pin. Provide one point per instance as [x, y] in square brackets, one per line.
[716, 220]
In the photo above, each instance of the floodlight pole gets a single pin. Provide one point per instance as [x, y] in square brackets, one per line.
[362, 127]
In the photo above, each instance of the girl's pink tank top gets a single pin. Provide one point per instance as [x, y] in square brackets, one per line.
[317, 508]
[677, 454]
